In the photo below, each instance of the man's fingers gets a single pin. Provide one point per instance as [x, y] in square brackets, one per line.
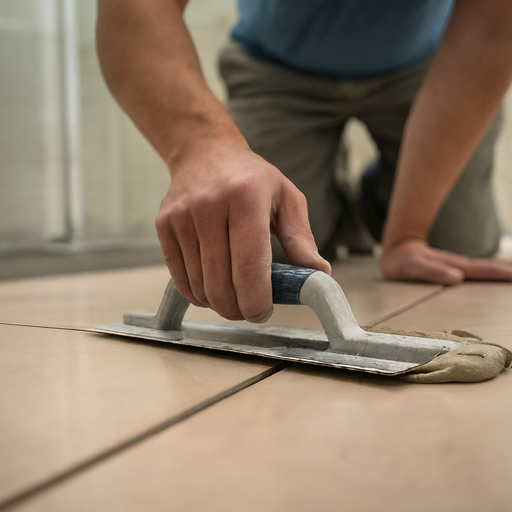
[185, 232]
[487, 270]
[294, 233]
[478, 269]
[432, 271]
[174, 260]
[251, 258]
[211, 221]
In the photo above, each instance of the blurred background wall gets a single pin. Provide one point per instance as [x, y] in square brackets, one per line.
[74, 172]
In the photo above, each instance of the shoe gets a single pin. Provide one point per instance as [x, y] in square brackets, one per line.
[351, 231]
[373, 214]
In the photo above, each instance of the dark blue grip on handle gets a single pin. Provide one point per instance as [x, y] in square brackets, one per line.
[287, 281]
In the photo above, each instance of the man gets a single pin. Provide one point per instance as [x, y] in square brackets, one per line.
[299, 70]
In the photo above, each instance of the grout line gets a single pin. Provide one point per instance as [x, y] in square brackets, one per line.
[417, 302]
[143, 436]
[56, 327]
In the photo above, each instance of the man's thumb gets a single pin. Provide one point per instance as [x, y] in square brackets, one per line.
[299, 246]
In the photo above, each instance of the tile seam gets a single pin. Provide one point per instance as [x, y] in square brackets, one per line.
[93, 461]
[55, 327]
[412, 305]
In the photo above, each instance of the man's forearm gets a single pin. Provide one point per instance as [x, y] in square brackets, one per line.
[467, 80]
[150, 65]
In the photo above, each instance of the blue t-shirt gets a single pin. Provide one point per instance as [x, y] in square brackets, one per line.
[342, 38]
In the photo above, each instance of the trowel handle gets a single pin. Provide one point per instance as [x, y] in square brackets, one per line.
[287, 281]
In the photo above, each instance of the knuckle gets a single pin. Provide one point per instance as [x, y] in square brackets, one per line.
[175, 214]
[241, 188]
[161, 223]
[179, 214]
[204, 201]
[293, 192]
[301, 199]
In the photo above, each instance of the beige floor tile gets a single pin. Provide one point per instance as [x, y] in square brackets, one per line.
[312, 439]
[85, 300]
[81, 300]
[66, 396]
[482, 308]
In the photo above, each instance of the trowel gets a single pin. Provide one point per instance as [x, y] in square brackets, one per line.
[342, 344]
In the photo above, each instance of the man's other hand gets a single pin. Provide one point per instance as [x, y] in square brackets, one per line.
[414, 260]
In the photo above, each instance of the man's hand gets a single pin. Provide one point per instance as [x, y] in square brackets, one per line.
[224, 201]
[414, 260]
[215, 223]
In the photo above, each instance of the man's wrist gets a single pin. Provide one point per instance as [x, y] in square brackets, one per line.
[395, 236]
[205, 139]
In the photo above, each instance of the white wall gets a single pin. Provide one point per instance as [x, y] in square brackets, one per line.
[123, 178]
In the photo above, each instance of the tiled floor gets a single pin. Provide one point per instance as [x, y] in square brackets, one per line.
[67, 396]
[203, 431]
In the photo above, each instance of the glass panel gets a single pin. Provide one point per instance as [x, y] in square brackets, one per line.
[32, 208]
[124, 180]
